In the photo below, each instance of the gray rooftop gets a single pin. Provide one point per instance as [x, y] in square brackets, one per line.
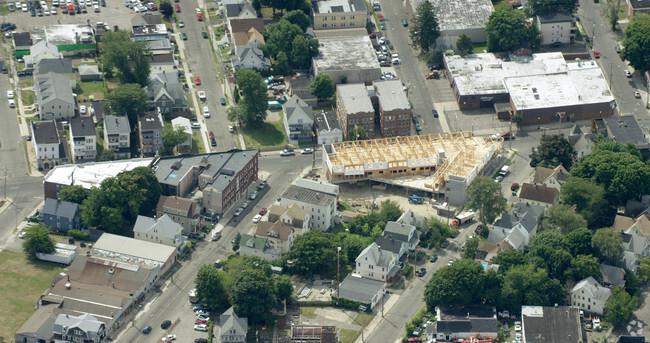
[354, 98]
[229, 320]
[159, 44]
[391, 95]
[53, 86]
[86, 322]
[625, 129]
[456, 14]
[564, 321]
[45, 132]
[22, 39]
[297, 106]
[377, 256]
[308, 196]
[116, 124]
[86, 69]
[612, 275]
[152, 121]
[640, 4]
[547, 18]
[55, 65]
[146, 18]
[82, 127]
[345, 53]
[359, 289]
[326, 121]
[339, 6]
[398, 231]
[61, 208]
[164, 225]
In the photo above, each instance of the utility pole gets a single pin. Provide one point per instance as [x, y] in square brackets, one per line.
[5, 182]
[510, 130]
[561, 115]
[338, 283]
[362, 309]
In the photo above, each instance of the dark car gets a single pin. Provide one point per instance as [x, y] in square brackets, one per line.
[433, 258]
[146, 330]
[184, 36]
[200, 340]
[222, 101]
[556, 44]
[444, 244]
[213, 142]
[435, 113]
[204, 34]
[166, 324]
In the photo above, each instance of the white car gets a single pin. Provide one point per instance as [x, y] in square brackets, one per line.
[253, 195]
[53, 10]
[231, 129]
[202, 313]
[201, 327]
[55, 2]
[238, 211]
[201, 95]
[22, 234]
[245, 204]
[198, 11]
[82, 109]
[596, 323]
[257, 218]
[637, 95]
[12, 103]
[43, 4]
[307, 151]
[450, 262]
[518, 337]
[169, 338]
[181, 24]
[25, 8]
[202, 317]
[382, 41]
[10, 94]
[206, 112]
[396, 61]
[46, 12]
[517, 326]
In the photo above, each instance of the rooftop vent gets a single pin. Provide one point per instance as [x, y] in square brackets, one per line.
[177, 165]
[111, 271]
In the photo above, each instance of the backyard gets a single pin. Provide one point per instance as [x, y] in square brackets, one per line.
[88, 88]
[267, 135]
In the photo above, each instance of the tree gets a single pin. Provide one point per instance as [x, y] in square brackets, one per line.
[105, 155]
[129, 98]
[563, 218]
[315, 252]
[354, 244]
[505, 29]
[257, 5]
[464, 44]
[508, 259]
[357, 133]
[253, 295]
[644, 269]
[517, 119]
[619, 307]
[299, 18]
[143, 188]
[486, 196]
[253, 102]
[470, 248]
[284, 288]
[128, 56]
[438, 232]
[554, 260]
[300, 56]
[533, 35]
[435, 56]
[74, 193]
[280, 37]
[281, 65]
[172, 136]
[529, 285]
[389, 211]
[636, 48]
[587, 196]
[323, 87]
[607, 244]
[535, 7]
[424, 27]
[552, 151]
[583, 266]
[37, 240]
[210, 288]
[236, 241]
[613, 8]
[578, 242]
[458, 284]
[234, 113]
[166, 9]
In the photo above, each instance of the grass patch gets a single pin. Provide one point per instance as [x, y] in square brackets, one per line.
[21, 66]
[309, 312]
[94, 88]
[500, 5]
[29, 171]
[267, 135]
[345, 206]
[359, 320]
[267, 12]
[29, 120]
[348, 335]
[224, 49]
[26, 82]
[27, 97]
[480, 48]
[197, 143]
[23, 281]
[4, 9]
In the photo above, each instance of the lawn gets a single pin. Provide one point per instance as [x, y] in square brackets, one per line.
[267, 135]
[480, 47]
[22, 281]
[348, 335]
[197, 143]
[27, 97]
[308, 312]
[96, 88]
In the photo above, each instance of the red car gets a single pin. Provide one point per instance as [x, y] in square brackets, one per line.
[197, 81]
[379, 16]
[211, 134]
[415, 339]
[198, 321]
[199, 16]
[596, 54]
[178, 8]
[263, 210]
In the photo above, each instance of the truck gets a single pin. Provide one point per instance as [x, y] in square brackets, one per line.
[504, 171]
[416, 199]
[463, 218]
[193, 296]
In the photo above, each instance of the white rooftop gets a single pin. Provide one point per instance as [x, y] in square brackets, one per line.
[67, 34]
[345, 53]
[132, 250]
[326, 6]
[354, 98]
[92, 174]
[460, 14]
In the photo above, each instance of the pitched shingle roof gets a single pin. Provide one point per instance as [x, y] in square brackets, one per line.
[593, 289]
[539, 193]
[229, 320]
[376, 256]
[61, 208]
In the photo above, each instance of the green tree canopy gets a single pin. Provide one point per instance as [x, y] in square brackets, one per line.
[644, 269]
[323, 87]
[299, 18]
[529, 285]
[129, 99]
[562, 217]
[253, 103]
[166, 9]
[315, 252]
[619, 307]
[583, 266]
[253, 295]
[284, 288]
[143, 188]
[533, 35]
[424, 27]
[535, 7]
[464, 44]
[357, 133]
[461, 283]
[636, 48]
[389, 211]
[286, 36]
[554, 260]
[486, 196]
[607, 244]
[437, 233]
[470, 248]
[128, 56]
[578, 242]
[172, 136]
[210, 288]
[505, 29]
[587, 196]
[552, 151]
[74, 193]
[37, 240]
[508, 259]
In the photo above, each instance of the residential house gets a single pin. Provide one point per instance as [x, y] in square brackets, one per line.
[590, 296]
[61, 215]
[239, 9]
[278, 234]
[150, 131]
[83, 328]
[582, 143]
[260, 247]
[313, 334]
[514, 229]
[236, 25]
[408, 217]
[39, 51]
[353, 107]
[83, 140]
[233, 328]
[486, 250]
[317, 199]
[558, 324]
[393, 107]
[161, 46]
[327, 128]
[298, 121]
[635, 242]
[89, 73]
[626, 129]
[22, 42]
[61, 66]
[398, 248]
[183, 211]
[633, 7]
[294, 216]
[548, 177]
[54, 97]
[556, 27]
[377, 264]
[183, 122]
[117, 135]
[404, 233]
[612, 276]
[367, 291]
[301, 86]
[250, 57]
[540, 195]
[252, 37]
[166, 93]
[163, 63]
[463, 322]
[162, 230]
[49, 148]
[338, 14]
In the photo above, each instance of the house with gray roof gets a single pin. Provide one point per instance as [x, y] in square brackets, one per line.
[364, 290]
[635, 246]
[39, 51]
[327, 128]
[259, 246]
[250, 56]
[612, 276]
[239, 9]
[61, 66]
[166, 92]
[590, 296]
[233, 328]
[408, 217]
[298, 120]
[377, 264]
[315, 199]
[49, 148]
[626, 129]
[404, 233]
[54, 97]
[398, 248]
[84, 328]
[463, 322]
[89, 73]
[60, 215]
[117, 135]
[83, 139]
[22, 42]
[552, 324]
[150, 130]
[161, 230]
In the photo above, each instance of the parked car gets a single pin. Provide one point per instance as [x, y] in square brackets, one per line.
[183, 36]
[199, 17]
[165, 324]
[181, 24]
[637, 95]
[596, 54]
[618, 49]
[146, 329]
[170, 338]
[262, 210]
[206, 112]
[628, 73]
[238, 211]
[197, 81]
[204, 34]
[262, 185]
[451, 261]
[257, 218]
[433, 258]
[435, 113]
[286, 152]
[307, 151]
[245, 204]
[517, 326]
[202, 317]
[201, 327]
[201, 340]
[178, 8]
[222, 101]
[22, 234]
[12, 103]
[253, 195]
[201, 95]
[421, 272]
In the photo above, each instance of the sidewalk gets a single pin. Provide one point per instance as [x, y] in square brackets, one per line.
[388, 304]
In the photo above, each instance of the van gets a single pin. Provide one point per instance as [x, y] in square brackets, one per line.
[504, 171]
[217, 263]
[196, 126]
[96, 8]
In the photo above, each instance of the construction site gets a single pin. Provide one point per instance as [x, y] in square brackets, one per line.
[442, 164]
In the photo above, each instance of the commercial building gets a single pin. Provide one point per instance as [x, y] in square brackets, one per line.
[338, 14]
[556, 27]
[354, 108]
[83, 140]
[442, 164]
[71, 39]
[127, 249]
[543, 89]
[393, 107]
[317, 199]
[552, 324]
[347, 56]
[463, 322]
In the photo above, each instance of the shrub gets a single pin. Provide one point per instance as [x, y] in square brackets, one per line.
[78, 234]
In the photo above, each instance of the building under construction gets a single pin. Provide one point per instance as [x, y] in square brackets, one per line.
[443, 164]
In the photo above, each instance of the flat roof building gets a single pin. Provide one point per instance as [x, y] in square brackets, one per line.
[354, 108]
[352, 57]
[338, 14]
[552, 324]
[72, 38]
[133, 250]
[394, 108]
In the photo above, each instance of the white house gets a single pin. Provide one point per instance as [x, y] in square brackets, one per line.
[590, 296]
[54, 97]
[317, 199]
[250, 57]
[233, 327]
[162, 231]
[293, 216]
[376, 264]
[278, 234]
[298, 120]
[556, 27]
[260, 247]
[553, 178]
[83, 139]
[50, 150]
[117, 135]
[187, 128]
[327, 127]
[635, 243]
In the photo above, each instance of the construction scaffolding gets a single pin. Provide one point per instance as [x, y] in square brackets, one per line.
[433, 158]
